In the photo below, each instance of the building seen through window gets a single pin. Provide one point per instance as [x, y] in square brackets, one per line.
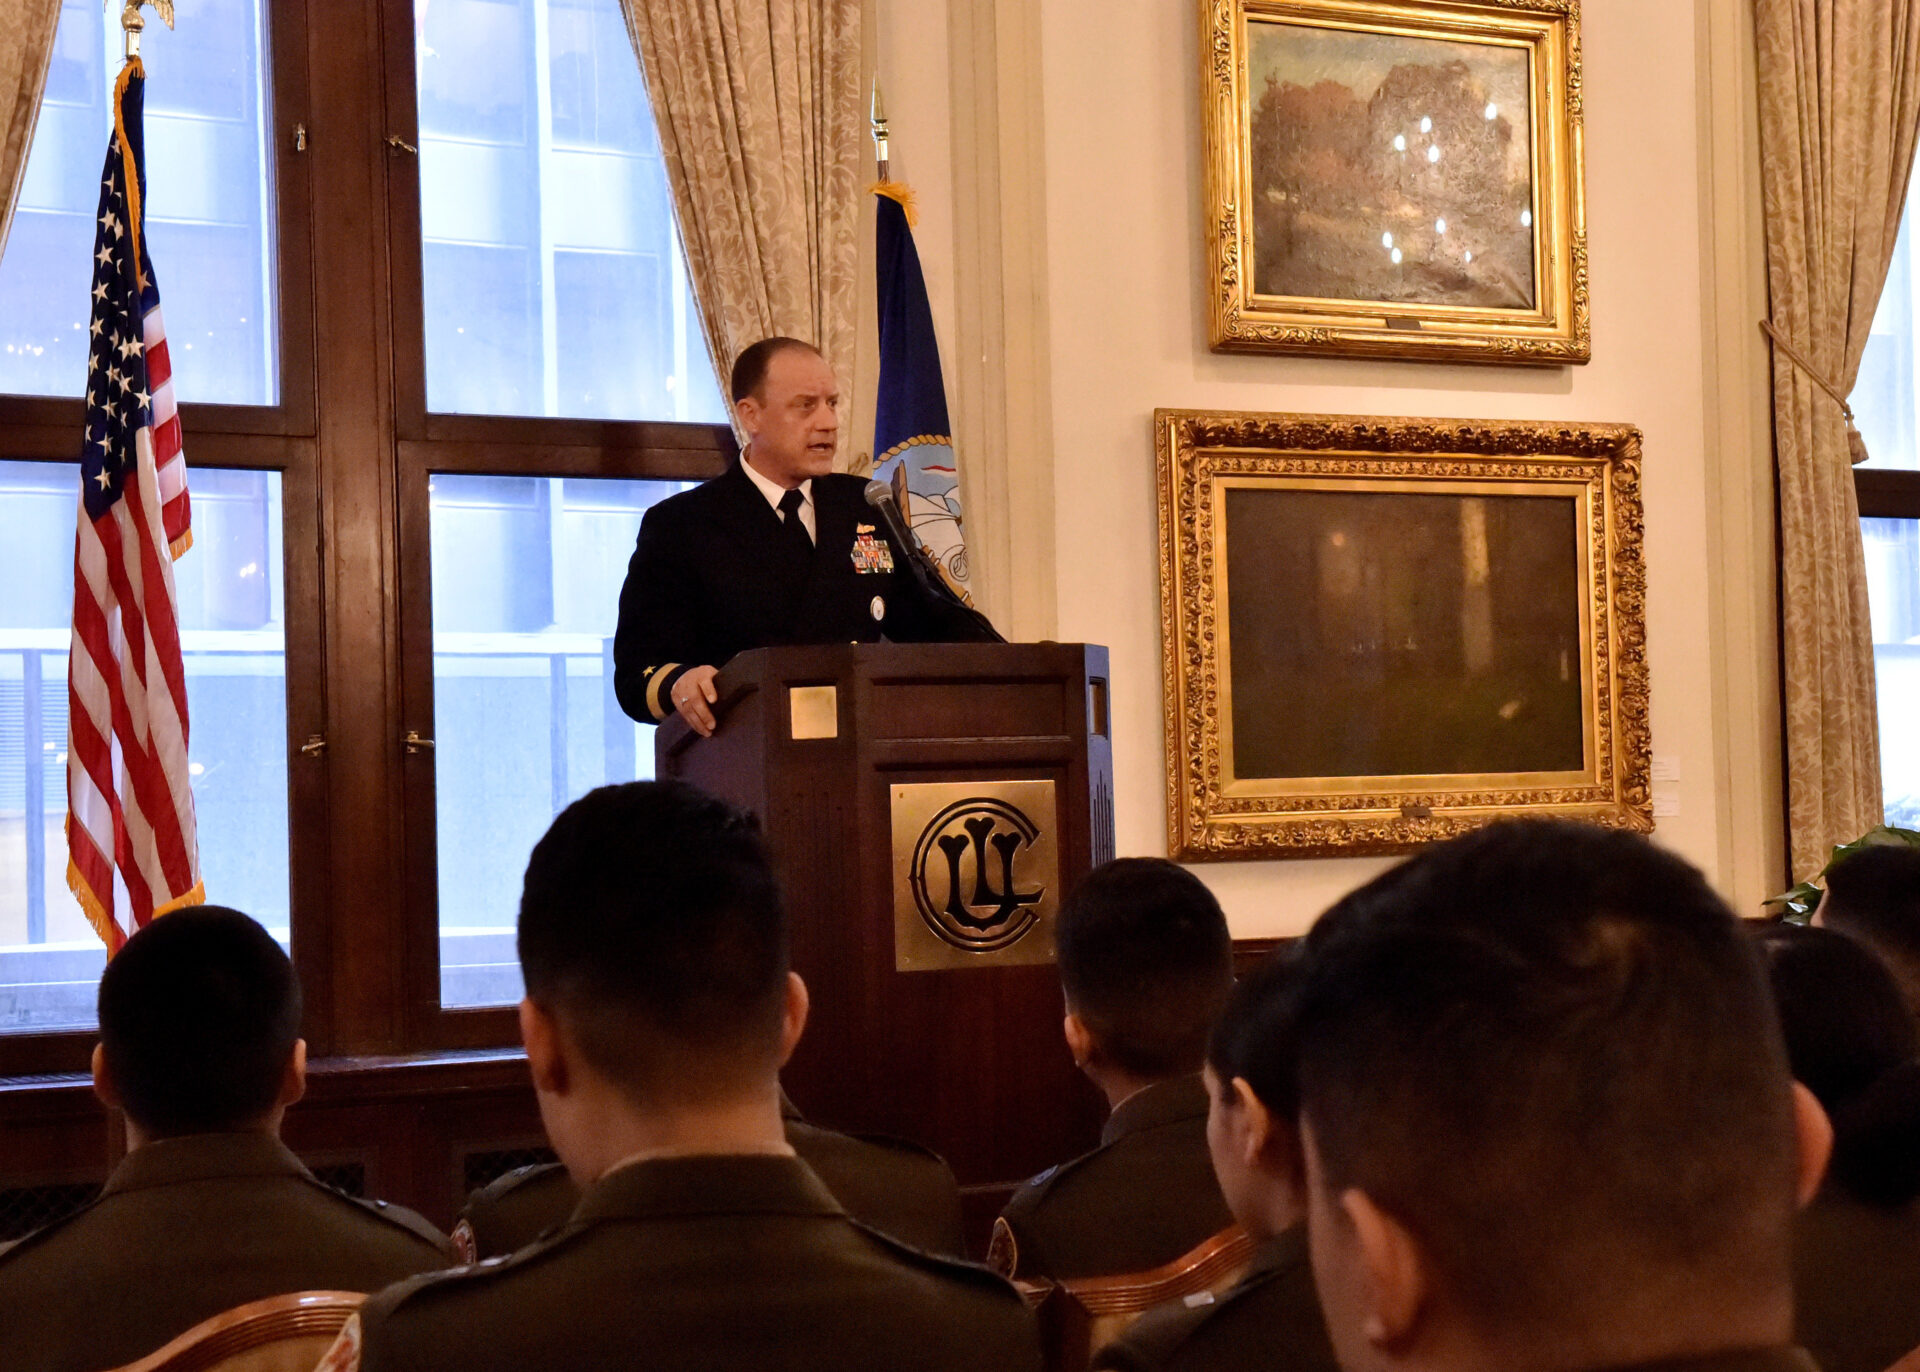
[526, 584]
[552, 275]
[233, 642]
[1887, 409]
[209, 217]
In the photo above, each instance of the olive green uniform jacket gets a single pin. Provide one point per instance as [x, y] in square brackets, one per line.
[1144, 1197]
[1856, 1277]
[185, 1229]
[685, 1264]
[1270, 1319]
[899, 1188]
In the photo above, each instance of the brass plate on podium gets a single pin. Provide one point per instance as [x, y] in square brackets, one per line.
[976, 874]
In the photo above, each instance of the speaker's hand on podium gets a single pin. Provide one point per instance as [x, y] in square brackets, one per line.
[693, 694]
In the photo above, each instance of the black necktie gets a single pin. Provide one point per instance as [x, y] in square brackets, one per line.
[795, 532]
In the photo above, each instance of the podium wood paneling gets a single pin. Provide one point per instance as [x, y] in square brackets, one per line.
[970, 1061]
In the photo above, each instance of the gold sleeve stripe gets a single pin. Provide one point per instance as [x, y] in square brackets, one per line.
[655, 680]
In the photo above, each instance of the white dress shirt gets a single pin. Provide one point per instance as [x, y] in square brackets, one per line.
[773, 492]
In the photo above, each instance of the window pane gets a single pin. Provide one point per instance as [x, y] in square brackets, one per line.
[209, 215]
[526, 590]
[234, 644]
[553, 280]
[1893, 587]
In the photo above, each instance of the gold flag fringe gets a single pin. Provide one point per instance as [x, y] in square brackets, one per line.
[902, 193]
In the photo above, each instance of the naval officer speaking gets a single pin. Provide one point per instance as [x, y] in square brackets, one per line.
[779, 550]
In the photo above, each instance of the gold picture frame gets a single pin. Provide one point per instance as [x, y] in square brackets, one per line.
[1396, 179]
[1447, 626]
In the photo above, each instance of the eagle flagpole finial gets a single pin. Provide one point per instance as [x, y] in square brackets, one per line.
[131, 23]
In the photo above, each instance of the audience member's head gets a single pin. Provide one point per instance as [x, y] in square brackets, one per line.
[1852, 1042]
[1251, 1130]
[653, 936]
[1146, 963]
[200, 1026]
[1546, 1110]
[1873, 894]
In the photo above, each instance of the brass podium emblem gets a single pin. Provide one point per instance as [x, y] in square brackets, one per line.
[976, 874]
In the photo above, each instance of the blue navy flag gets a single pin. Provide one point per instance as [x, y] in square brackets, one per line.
[912, 439]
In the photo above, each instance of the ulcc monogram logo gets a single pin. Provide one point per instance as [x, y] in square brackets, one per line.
[966, 875]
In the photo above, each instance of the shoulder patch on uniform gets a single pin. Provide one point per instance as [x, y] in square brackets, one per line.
[1003, 1251]
[972, 1273]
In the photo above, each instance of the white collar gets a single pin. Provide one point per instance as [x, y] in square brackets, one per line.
[771, 490]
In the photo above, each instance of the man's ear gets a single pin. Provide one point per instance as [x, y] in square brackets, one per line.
[793, 1016]
[1393, 1272]
[546, 1055]
[1251, 1122]
[293, 1082]
[1813, 1132]
[746, 411]
[103, 1087]
[1079, 1039]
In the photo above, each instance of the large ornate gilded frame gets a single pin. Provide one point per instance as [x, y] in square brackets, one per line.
[1555, 332]
[1213, 814]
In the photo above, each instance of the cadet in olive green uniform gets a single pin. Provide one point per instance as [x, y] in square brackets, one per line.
[1856, 1248]
[659, 1012]
[1271, 1318]
[1545, 1112]
[199, 1015]
[905, 1191]
[1146, 963]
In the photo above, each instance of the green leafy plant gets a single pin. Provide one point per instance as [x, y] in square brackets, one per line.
[1797, 905]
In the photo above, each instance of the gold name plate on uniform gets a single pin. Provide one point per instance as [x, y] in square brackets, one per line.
[976, 874]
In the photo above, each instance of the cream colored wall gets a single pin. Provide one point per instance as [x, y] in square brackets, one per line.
[1112, 98]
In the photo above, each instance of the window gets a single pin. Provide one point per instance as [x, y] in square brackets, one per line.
[209, 221]
[426, 398]
[554, 283]
[525, 719]
[1887, 410]
[233, 643]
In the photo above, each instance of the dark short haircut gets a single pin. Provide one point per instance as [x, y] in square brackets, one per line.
[651, 925]
[1874, 894]
[199, 1013]
[1853, 1043]
[1549, 1049]
[1146, 963]
[750, 368]
[1252, 1039]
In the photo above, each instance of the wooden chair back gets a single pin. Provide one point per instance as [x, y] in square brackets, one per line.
[279, 1334]
[1078, 1318]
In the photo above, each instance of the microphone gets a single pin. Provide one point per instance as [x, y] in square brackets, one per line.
[879, 495]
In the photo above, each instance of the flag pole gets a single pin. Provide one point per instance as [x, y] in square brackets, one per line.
[877, 118]
[132, 25]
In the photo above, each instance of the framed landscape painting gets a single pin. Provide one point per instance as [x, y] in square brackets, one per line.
[1396, 179]
[1383, 631]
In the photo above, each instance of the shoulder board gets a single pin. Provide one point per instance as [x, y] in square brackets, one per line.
[451, 1279]
[1035, 1188]
[397, 1215]
[512, 1181]
[900, 1145]
[971, 1273]
[29, 1241]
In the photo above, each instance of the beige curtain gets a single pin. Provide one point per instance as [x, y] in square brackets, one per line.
[26, 48]
[1839, 106]
[759, 108]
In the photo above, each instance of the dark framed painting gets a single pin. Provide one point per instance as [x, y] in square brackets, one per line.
[1396, 179]
[1383, 631]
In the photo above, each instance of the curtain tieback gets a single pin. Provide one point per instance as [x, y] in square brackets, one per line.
[1856, 445]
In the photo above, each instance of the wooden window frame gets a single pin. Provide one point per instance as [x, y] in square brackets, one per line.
[356, 447]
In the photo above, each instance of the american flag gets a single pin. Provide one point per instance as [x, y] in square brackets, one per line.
[129, 804]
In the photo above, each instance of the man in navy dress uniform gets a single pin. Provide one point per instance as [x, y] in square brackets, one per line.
[779, 550]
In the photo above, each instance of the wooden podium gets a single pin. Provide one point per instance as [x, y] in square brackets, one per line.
[928, 805]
